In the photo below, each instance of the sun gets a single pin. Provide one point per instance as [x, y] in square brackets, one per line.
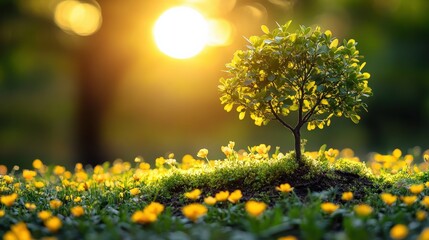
[181, 32]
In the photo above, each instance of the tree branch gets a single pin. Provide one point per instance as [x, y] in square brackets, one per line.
[278, 117]
[310, 113]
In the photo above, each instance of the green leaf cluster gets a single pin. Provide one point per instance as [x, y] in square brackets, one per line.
[306, 71]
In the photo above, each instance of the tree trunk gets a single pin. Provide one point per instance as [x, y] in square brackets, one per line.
[297, 136]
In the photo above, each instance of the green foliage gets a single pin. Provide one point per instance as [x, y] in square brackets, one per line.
[308, 71]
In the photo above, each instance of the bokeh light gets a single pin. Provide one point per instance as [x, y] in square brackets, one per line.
[79, 18]
[143, 102]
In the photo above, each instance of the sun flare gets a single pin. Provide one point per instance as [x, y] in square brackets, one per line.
[181, 32]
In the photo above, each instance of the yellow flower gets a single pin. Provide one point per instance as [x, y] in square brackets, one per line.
[416, 188]
[2, 213]
[347, 196]
[194, 211]
[194, 194]
[28, 174]
[144, 166]
[388, 198]
[53, 224]
[226, 150]
[254, 208]
[425, 201]
[82, 187]
[235, 196]
[409, 200]
[210, 200]
[30, 206]
[159, 162]
[134, 191]
[9, 200]
[37, 164]
[399, 231]
[39, 184]
[424, 235]
[231, 144]
[222, 196]
[154, 207]
[54, 204]
[363, 210]
[59, 170]
[262, 149]
[78, 167]
[284, 188]
[18, 231]
[143, 217]
[203, 153]
[44, 215]
[290, 237]
[67, 175]
[77, 211]
[421, 215]
[77, 199]
[8, 179]
[329, 207]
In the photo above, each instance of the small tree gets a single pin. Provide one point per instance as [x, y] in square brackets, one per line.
[308, 74]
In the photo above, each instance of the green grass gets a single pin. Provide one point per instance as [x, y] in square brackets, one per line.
[109, 205]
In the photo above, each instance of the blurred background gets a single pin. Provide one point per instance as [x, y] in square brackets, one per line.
[86, 82]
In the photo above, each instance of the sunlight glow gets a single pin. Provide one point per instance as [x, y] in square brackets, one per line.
[220, 32]
[77, 17]
[181, 32]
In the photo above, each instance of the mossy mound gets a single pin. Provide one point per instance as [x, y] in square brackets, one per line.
[258, 178]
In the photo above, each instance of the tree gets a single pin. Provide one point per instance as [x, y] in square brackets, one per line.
[307, 74]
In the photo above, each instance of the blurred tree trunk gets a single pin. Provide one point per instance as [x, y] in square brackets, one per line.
[101, 63]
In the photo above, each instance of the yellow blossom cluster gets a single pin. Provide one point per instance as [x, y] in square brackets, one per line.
[70, 191]
[149, 214]
[391, 163]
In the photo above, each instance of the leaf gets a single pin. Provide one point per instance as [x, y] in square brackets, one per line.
[334, 43]
[286, 26]
[294, 107]
[324, 102]
[351, 43]
[355, 118]
[265, 29]
[311, 126]
[310, 85]
[258, 121]
[366, 75]
[362, 66]
[241, 115]
[228, 107]
[328, 33]
[240, 108]
[292, 37]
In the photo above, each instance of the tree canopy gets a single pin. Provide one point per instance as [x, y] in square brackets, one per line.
[307, 72]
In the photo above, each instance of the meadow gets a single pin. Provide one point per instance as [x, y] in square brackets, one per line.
[257, 193]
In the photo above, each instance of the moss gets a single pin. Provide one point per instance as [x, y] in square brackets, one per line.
[350, 166]
[257, 178]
